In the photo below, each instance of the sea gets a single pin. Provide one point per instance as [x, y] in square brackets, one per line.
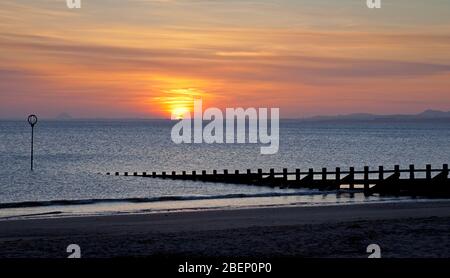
[72, 157]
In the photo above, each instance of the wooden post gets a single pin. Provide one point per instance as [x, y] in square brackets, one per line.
[352, 178]
[381, 173]
[225, 172]
[311, 173]
[204, 173]
[117, 173]
[411, 172]
[338, 174]
[324, 174]
[428, 172]
[297, 174]
[154, 174]
[397, 170]
[108, 173]
[194, 174]
[144, 174]
[249, 171]
[215, 172]
[445, 170]
[366, 178]
[135, 174]
[174, 173]
[164, 175]
[272, 173]
[184, 174]
[285, 175]
[126, 174]
[236, 172]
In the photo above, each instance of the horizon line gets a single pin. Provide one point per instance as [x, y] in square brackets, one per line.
[287, 118]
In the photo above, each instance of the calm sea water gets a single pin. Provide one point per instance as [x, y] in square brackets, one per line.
[71, 158]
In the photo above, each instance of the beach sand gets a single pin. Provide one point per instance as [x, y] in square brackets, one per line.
[408, 229]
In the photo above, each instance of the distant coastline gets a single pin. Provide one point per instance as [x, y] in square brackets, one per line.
[425, 116]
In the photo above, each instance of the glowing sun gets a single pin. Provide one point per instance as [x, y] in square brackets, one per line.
[179, 112]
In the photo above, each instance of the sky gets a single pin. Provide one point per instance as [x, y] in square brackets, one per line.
[149, 58]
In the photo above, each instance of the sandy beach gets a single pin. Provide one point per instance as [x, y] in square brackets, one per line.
[413, 229]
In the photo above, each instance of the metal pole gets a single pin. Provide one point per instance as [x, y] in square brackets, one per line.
[32, 143]
[32, 120]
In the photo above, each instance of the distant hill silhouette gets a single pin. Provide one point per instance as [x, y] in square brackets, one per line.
[434, 114]
[423, 116]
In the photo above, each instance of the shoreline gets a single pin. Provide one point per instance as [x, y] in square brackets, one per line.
[408, 229]
[118, 207]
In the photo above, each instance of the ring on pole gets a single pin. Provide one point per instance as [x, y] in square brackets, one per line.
[32, 120]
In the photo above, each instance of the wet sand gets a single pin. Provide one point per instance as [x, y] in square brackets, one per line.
[410, 229]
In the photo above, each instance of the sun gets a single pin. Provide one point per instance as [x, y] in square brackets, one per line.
[179, 102]
[178, 113]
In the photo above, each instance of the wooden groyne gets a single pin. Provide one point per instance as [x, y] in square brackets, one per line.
[397, 181]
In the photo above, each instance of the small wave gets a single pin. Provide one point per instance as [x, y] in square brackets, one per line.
[31, 204]
[32, 215]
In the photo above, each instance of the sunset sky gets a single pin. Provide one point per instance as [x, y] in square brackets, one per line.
[147, 58]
